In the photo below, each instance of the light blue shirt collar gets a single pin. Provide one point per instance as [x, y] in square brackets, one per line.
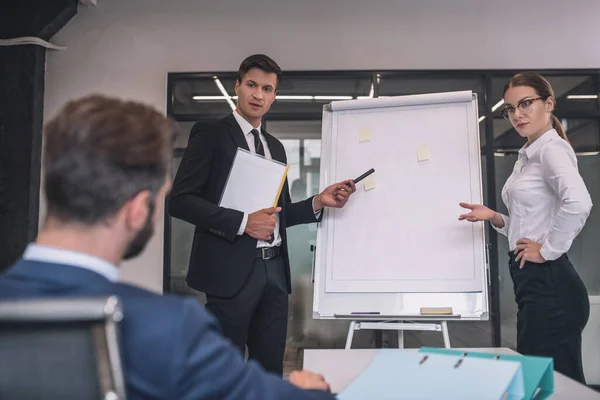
[55, 255]
[245, 125]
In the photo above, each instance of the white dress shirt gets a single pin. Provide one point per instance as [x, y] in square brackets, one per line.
[55, 255]
[546, 197]
[247, 130]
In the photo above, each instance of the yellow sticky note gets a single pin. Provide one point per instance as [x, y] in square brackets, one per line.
[364, 134]
[423, 153]
[369, 182]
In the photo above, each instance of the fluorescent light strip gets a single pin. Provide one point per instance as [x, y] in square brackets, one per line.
[224, 92]
[208, 98]
[283, 97]
[221, 98]
[294, 97]
[497, 105]
[582, 96]
[481, 118]
[333, 97]
[504, 152]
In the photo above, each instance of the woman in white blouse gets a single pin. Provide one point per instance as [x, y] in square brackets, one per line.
[548, 204]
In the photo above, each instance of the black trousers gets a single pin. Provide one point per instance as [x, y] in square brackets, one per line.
[553, 309]
[257, 315]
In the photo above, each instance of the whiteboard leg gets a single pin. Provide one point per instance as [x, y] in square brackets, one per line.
[445, 334]
[350, 335]
[400, 339]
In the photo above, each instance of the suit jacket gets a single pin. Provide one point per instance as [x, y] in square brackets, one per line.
[221, 260]
[172, 348]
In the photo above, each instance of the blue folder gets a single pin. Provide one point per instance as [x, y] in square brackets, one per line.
[538, 372]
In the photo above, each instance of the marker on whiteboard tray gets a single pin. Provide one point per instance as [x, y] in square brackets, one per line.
[363, 176]
[365, 313]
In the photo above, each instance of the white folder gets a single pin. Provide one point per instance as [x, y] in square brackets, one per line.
[254, 182]
[404, 374]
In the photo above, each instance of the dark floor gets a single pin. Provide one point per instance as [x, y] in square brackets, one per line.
[462, 334]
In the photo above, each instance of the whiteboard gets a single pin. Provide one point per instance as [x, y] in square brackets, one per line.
[397, 246]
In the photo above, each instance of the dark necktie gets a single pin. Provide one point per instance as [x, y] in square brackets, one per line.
[260, 150]
[258, 146]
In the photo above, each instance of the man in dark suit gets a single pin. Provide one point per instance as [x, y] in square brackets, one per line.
[241, 261]
[106, 165]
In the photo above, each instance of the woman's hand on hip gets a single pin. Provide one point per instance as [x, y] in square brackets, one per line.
[528, 250]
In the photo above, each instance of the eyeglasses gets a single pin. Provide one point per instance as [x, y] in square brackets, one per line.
[525, 107]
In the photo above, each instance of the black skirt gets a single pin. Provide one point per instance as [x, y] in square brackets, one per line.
[553, 309]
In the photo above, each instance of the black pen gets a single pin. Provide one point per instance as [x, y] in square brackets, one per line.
[363, 176]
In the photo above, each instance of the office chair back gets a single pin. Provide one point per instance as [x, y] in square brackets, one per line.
[61, 349]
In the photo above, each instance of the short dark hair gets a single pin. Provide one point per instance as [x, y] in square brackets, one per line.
[262, 62]
[99, 153]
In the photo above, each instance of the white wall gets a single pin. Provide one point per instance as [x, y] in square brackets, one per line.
[126, 47]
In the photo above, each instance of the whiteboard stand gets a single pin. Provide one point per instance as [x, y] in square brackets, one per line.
[399, 326]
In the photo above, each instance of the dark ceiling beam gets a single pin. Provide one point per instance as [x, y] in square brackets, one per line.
[39, 18]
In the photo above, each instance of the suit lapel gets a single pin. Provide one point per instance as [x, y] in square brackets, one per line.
[277, 153]
[276, 149]
[236, 132]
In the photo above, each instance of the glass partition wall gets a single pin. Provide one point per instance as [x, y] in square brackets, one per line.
[295, 119]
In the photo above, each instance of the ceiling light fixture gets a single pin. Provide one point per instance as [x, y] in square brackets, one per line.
[225, 94]
[497, 105]
[582, 96]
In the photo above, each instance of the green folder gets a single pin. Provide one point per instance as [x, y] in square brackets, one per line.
[538, 372]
